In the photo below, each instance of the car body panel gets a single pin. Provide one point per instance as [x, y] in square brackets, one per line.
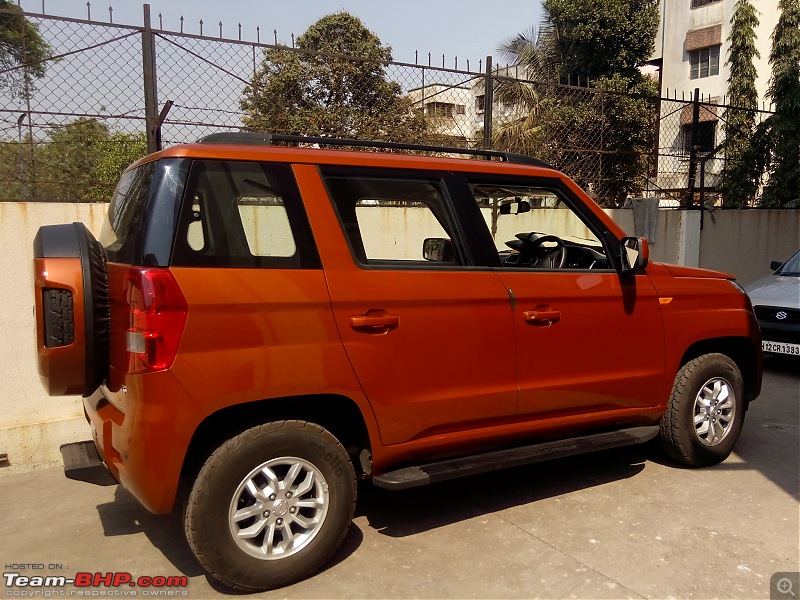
[775, 290]
[417, 372]
[690, 318]
[461, 371]
[141, 437]
[588, 360]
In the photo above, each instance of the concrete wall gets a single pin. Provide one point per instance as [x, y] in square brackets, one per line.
[33, 425]
[745, 242]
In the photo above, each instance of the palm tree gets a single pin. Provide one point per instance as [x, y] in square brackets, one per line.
[520, 131]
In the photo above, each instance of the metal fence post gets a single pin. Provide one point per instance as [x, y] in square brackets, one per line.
[150, 84]
[689, 202]
[28, 189]
[488, 104]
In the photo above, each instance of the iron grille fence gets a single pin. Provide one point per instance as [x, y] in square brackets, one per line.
[113, 92]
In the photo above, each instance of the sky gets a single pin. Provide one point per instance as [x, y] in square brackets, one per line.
[467, 29]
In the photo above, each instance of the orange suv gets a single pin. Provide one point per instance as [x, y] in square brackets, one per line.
[269, 324]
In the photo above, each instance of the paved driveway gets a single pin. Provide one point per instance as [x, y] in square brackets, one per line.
[622, 523]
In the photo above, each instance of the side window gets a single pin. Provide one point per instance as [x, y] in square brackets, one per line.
[533, 227]
[243, 214]
[394, 221]
[266, 225]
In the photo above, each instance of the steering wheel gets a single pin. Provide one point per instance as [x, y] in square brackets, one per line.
[553, 258]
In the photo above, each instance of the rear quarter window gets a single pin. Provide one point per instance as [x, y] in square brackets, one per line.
[124, 221]
[243, 214]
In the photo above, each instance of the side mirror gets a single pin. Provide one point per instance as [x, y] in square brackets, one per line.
[775, 265]
[438, 250]
[634, 255]
[515, 207]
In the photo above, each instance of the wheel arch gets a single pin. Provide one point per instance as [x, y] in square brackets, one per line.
[739, 349]
[340, 415]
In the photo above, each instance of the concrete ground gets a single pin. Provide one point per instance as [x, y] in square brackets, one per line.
[619, 524]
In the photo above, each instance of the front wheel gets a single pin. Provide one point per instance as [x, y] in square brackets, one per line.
[705, 413]
[271, 505]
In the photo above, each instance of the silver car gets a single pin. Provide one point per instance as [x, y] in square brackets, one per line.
[776, 300]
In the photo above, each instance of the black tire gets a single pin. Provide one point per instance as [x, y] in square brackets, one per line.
[705, 413]
[97, 309]
[220, 492]
[59, 317]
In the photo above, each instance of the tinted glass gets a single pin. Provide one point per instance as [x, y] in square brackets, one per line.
[243, 214]
[533, 225]
[791, 266]
[388, 220]
[122, 229]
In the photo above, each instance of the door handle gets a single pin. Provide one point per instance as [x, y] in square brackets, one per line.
[542, 318]
[375, 321]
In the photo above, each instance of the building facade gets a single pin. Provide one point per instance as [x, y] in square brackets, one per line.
[692, 50]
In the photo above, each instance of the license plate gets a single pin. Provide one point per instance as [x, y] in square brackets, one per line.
[781, 348]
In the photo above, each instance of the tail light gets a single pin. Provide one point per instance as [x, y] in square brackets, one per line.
[157, 317]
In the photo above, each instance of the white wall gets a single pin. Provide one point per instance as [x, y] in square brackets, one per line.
[678, 17]
[33, 425]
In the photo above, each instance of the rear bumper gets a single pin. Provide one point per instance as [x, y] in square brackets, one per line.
[141, 434]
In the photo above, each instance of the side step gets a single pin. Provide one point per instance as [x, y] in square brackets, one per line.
[83, 463]
[481, 463]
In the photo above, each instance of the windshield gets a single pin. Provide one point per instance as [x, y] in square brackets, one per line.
[791, 266]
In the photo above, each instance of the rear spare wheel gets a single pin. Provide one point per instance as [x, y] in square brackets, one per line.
[72, 309]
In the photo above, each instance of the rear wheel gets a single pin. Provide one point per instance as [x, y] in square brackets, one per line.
[705, 413]
[271, 505]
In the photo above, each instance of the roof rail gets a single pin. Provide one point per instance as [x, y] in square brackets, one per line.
[269, 139]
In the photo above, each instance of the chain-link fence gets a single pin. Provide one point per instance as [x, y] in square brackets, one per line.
[109, 93]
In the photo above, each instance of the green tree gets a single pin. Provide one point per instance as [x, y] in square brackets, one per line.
[739, 181]
[602, 137]
[84, 159]
[783, 127]
[22, 51]
[595, 38]
[334, 85]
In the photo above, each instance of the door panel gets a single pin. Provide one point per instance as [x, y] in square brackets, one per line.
[587, 339]
[431, 341]
[440, 356]
[603, 351]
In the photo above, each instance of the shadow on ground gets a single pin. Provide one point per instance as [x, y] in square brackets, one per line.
[408, 512]
[770, 440]
[402, 513]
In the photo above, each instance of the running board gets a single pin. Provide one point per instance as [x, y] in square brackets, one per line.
[481, 463]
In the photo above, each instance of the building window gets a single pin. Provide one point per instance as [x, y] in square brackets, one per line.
[480, 102]
[706, 137]
[704, 62]
[698, 3]
[445, 109]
